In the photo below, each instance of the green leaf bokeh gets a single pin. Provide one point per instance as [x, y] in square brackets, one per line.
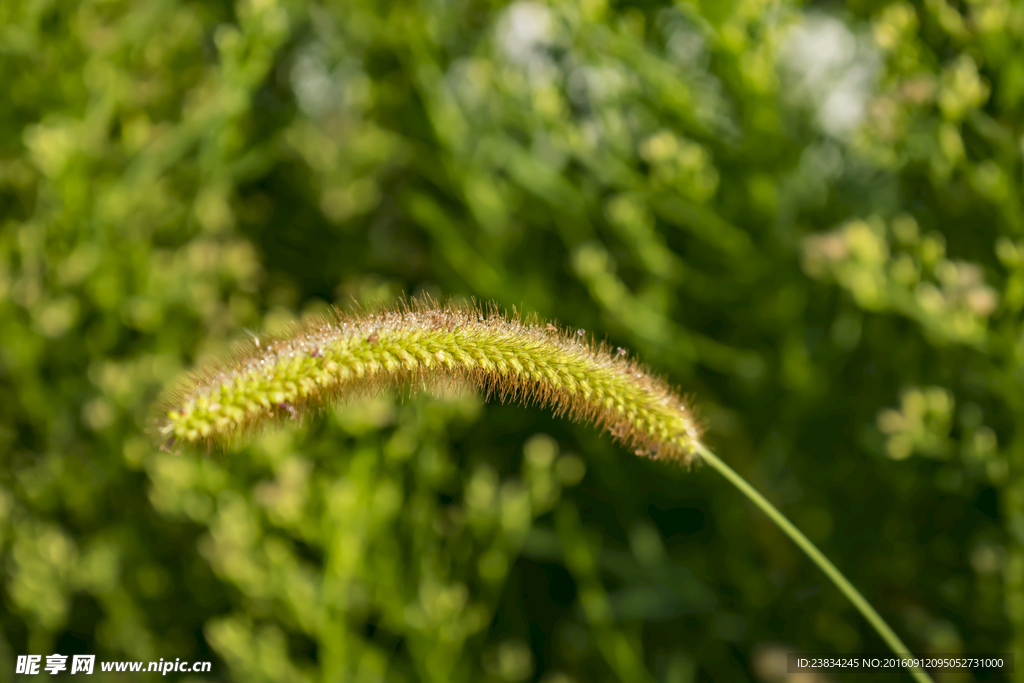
[809, 219]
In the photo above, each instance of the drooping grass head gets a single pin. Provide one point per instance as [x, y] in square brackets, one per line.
[421, 344]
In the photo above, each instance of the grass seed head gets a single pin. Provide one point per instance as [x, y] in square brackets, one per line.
[341, 356]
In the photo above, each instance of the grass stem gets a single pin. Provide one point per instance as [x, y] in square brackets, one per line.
[848, 589]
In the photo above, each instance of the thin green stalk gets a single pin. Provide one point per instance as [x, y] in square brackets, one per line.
[858, 600]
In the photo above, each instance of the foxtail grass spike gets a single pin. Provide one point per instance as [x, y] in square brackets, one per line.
[424, 345]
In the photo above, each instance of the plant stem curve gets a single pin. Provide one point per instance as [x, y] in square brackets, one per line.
[852, 594]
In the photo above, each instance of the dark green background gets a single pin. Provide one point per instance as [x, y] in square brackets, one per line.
[829, 260]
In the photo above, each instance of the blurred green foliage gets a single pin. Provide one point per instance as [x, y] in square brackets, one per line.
[811, 219]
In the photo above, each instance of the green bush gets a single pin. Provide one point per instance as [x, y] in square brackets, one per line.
[811, 222]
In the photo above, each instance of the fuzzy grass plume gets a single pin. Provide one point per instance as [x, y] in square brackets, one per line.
[425, 345]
